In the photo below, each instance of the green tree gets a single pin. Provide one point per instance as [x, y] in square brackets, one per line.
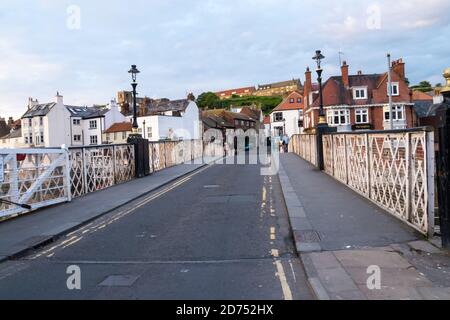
[208, 100]
[423, 86]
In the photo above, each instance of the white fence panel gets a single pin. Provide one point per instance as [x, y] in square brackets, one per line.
[35, 177]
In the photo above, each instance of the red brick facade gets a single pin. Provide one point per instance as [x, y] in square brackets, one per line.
[366, 94]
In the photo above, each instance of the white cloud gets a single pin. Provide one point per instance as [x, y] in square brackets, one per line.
[16, 65]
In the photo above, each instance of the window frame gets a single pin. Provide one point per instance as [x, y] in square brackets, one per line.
[361, 112]
[394, 85]
[96, 140]
[396, 110]
[339, 114]
[91, 127]
[276, 118]
[359, 89]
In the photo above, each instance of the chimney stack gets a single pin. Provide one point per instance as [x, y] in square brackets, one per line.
[32, 103]
[308, 87]
[10, 121]
[191, 96]
[398, 67]
[59, 98]
[344, 69]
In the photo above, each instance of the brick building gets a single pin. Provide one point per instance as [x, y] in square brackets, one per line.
[279, 88]
[361, 101]
[241, 92]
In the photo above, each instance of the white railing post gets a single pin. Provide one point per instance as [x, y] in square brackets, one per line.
[430, 174]
[84, 167]
[410, 171]
[68, 178]
[368, 176]
[14, 179]
[346, 157]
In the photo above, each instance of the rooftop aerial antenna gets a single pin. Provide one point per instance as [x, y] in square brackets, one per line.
[340, 53]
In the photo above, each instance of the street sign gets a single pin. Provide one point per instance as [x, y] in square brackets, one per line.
[2, 173]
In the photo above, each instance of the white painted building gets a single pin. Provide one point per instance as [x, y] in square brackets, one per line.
[171, 120]
[54, 124]
[287, 117]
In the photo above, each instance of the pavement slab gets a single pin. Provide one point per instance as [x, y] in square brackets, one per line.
[355, 234]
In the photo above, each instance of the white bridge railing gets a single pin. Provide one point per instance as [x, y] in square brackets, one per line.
[43, 177]
[95, 168]
[36, 177]
[394, 169]
[305, 145]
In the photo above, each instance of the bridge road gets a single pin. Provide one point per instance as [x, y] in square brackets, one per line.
[219, 233]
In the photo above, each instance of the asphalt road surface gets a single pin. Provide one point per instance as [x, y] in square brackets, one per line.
[219, 233]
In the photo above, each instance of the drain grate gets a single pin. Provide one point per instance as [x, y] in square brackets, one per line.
[307, 236]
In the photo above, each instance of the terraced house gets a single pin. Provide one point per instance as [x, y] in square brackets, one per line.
[54, 124]
[361, 101]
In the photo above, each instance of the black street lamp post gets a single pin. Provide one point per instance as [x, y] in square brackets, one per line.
[134, 71]
[319, 57]
[141, 147]
[322, 126]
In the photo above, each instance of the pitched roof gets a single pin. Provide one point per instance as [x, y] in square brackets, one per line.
[344, 96]
[266, 120]
[169, 105]
[86, 112]
[235, 91]
[421, 96]
[215, 118]
[120, 127]
[13, 134]
[41, 110]
[286, 105]
[255, 114]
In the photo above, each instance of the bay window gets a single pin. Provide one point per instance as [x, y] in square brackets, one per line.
[398, 113]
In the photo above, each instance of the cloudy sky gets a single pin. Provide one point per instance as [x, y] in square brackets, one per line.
[84, 48]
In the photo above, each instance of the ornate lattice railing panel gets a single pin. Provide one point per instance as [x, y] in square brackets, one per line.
[124, 163]
[36, 177]
[419, 199]
[389, 172]
[304, 145]
[394, 169]
[358, 165]
[328, 154]
[100, 167]
[339, 158]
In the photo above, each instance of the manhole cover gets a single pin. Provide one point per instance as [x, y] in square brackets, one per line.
[307, 236]
[119, 281]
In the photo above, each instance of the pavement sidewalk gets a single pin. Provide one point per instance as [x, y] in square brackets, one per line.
[19, 235]
[340, 234]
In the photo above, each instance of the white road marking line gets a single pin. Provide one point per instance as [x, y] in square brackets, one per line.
[292, 269]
